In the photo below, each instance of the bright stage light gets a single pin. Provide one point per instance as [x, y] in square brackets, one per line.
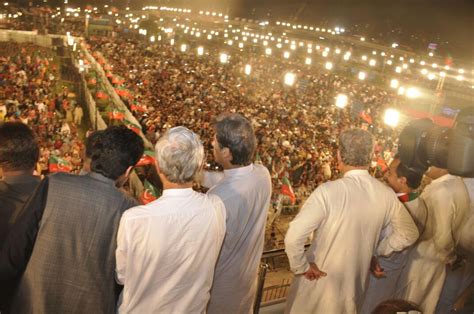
[424, 71]
[442, 74]
[152, 39]
[364, 58]
[372, 62]
[459, 77]
[241, 45]
[431, 76]
[391, 117]
[347, 56]
[389, 62]
[328, 65]
[286, 55]
[341, 101]
[268, 51]
[223, 57]
[248, 69]
[289, 79]
[200, 51]
[422, 63]
[362, 75]
[183, 48]
[307, 61]
[325, 54]
[398, 69]
[394, 83]
[413, 92]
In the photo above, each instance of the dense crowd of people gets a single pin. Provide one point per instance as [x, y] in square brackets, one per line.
[31, 94]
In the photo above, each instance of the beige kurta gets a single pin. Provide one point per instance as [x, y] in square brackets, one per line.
[246, 193]
[381, 289]
[346, 218]
[447, 202]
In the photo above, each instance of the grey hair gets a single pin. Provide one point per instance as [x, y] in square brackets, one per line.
[356, 147]
[180, 154]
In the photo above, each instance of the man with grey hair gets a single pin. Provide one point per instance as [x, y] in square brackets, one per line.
[245, 188]
[167, 249]
[345, 218]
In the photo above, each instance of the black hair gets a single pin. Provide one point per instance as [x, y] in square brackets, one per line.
[114, 150]
[90, 142]
[413, 175]
[19, 148]
[235, 132]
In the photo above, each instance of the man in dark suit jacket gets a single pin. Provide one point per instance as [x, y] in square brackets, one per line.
[19, 154]
[65, 237]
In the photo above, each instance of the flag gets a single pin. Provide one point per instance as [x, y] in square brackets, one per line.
[116, 114]
[123, 92]
[137, 107]
[382, 165]
[287, 190]
[101, 95]
[118, 80]
[148, 158]
[92, 81]
[149, 194]
[58, 164]
[132, 126]
[366, 117]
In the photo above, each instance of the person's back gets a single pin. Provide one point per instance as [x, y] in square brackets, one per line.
[245, 190]
[175, 243]
[345, 217]
[75, 247]
[167, 249]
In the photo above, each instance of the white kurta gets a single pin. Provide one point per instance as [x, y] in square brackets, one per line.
[447, 202]
[346, 217]
[458, 280]
[167, 251]
[381, 289]
[246, 193]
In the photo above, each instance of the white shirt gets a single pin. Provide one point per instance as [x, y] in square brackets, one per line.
[167, 251]
[246, 193]
[346, 217]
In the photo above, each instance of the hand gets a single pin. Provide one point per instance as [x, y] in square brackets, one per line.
[376, 269]
[314, 272]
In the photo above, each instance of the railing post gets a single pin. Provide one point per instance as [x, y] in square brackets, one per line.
[262, 272]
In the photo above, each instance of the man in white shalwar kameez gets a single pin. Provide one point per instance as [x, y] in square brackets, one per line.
[245, 188]
[460, 278]
[346, 218]
[384, 280]
[167, 249]
[447, 201]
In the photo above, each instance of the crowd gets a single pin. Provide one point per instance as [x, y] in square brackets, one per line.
[296, 127]
[29, 85]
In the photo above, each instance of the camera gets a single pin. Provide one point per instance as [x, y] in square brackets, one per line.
[423, 144]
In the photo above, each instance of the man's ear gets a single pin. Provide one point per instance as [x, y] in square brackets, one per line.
[128, 171]
[403, 180]
[227, 154]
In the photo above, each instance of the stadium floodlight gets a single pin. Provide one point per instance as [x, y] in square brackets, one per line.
[347, 56]
[398, 69]
[442, 74]
[447, 67]
[391, 117]
[394, 45]
[183, 47]
[389, 62]
[459, 77]
[424, 71]
[328, 65]
[293, 47]
[422, 63]
[461, 71]
[200, 51]
[286, 55]
[401, 90]
[405, 66]
[413, 92]
[362, 75]
[172, 41]
[372, 62]
[289, 79]
[248, 69]
[412, 60]
[310, 50]
[394, 83]
[431, 54]
[362, 39]
[341, 101]
[338, 51]
[325, 53]
[230, 42]
[152, 39]
[434, 65]
[364, 57]
[209, 36]
[268, 51]
[431, 76]
[241, 45]
[307, 61]
[223, 57]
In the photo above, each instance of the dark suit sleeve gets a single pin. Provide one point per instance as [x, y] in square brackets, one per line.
[18, 246]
